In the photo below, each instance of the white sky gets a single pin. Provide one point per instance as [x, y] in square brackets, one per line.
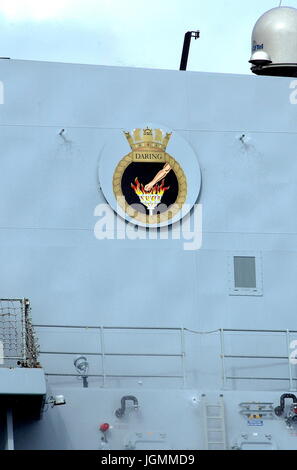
[140, 33]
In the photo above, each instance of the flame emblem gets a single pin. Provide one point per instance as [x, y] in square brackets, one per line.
[150, 199]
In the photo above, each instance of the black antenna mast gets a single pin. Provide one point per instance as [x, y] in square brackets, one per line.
[187, 42]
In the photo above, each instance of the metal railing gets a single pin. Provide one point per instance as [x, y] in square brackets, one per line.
[224, 356]
[18, 343]
[287, 356]
[103, 354]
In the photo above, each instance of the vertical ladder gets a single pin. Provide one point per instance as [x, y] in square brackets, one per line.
[214, 424]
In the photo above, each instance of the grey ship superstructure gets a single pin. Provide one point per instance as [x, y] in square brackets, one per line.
[143, 343]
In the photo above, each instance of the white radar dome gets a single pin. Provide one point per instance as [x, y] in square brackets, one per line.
[274, 43]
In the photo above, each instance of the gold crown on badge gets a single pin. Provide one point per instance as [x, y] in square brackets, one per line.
[142, 139]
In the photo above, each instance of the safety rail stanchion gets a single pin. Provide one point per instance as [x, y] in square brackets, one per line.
[223, 358]
[102, 354]
[289, 361]
[183, 354]
[23, 304]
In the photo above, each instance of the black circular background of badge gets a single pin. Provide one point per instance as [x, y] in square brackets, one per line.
[145, 172]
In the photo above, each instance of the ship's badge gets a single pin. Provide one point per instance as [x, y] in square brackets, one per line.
[148, 183]
[149, 175]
